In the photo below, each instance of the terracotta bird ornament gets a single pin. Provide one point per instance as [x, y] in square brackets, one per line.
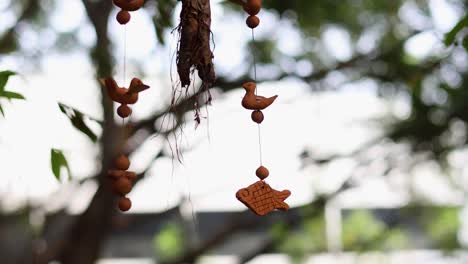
[255, 102]
[123, 95]
[262, 199]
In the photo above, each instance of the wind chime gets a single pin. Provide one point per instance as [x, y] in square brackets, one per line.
[259, 197]
[122, 179]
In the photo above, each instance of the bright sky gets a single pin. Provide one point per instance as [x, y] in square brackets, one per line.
[214, 169]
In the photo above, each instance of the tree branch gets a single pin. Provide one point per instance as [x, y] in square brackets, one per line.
[226, 85]
[235, 225]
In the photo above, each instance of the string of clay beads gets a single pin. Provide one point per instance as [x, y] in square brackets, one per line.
[253, 21]
[123, 17]
[252, 7]
[257, 116]
[127, 6]
[122, 179]
[124, 111]
[259, 197]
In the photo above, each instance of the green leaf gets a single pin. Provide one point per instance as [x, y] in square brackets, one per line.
[63, 108]
[452, 34]
[12, 95]
[66, 109]
[78, 122]
[465, 43]
[77, 119]
[57, 161]
[4, 76]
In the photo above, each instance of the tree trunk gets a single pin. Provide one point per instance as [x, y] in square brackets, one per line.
[91, 228]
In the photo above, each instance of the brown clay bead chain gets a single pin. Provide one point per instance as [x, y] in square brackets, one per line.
[259, 197]
[252, 7]
[122, 179]
[127, 6]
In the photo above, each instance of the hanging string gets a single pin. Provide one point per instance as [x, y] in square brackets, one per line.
[254, 59]
[124, 132]
[125, 56]
[256, 93]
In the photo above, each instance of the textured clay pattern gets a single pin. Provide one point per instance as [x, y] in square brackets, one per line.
[262, 199]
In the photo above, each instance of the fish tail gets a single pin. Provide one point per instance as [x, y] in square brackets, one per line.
[283, 195]
[280, 205]
[280, 197]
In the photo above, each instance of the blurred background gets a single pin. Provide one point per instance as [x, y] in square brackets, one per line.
[369, 133]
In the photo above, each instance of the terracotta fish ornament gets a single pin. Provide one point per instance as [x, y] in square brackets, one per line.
[262, 199]
[255, 102]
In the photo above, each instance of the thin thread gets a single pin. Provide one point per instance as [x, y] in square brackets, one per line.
[125, 56]
[124, 136]
[124, 77]
[254, 60]
[208, 124]
[260, 144]
[168, 194]
[255, 79]
[194, 217]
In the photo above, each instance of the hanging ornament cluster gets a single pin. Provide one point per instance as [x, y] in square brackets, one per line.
[122, 179]
[123, 17]
[259, 197]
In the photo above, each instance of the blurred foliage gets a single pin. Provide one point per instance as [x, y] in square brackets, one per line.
[57, 162]
[4, 76]
[169, 243]
[377, 25]
[309, 237]
[162, 16]
[413, 227]
[441, 225]
[450, 37]
[77, 119]
[312, 15]
[263, 50]
[395, 239]
[29, 13]
[435, 88]
[362, 231]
